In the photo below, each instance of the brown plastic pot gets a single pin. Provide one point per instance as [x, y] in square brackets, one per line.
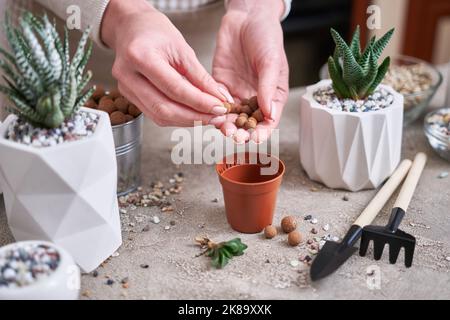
[249, 195]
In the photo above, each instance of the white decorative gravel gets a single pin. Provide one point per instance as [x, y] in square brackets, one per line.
[380, 99]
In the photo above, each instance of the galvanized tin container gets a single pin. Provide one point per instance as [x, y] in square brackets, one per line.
[128, 141]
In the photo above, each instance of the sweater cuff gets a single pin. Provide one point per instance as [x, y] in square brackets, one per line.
[287, 8]
[95, 21]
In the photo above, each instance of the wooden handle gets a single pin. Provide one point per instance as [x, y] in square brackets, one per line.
[383, 195]
[407, 190]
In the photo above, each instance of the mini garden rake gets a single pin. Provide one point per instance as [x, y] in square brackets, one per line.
[390, 234]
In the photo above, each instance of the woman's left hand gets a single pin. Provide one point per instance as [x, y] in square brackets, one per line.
[250, 60]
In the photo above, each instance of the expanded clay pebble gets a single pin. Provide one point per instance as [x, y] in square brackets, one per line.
[111, 103]
[91, 104]
[249, 113]
[121, 104]
[117, 117]
[253, 103]
[107, 105]
[294, 238]
[98, 93]
[270, 232]
[251, 123]
[134, 111]
[288, 224]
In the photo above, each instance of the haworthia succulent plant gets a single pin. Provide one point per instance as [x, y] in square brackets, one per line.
[44, 85]
[355, 74]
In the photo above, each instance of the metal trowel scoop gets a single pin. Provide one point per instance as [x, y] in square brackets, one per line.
[334, 254]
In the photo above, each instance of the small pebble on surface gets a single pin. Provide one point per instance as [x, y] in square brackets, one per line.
[443, 175]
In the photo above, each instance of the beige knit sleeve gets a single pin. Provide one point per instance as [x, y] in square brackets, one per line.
[91, 13]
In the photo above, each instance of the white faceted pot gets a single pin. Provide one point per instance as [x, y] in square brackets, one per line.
[349, 150]
[65, 194]
[62, 284]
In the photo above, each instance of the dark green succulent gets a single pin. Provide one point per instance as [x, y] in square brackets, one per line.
[356, 74]
[45, 86]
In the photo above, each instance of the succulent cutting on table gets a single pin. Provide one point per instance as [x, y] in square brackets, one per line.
[221, 253]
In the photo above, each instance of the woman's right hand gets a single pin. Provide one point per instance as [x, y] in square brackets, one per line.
[157, 70]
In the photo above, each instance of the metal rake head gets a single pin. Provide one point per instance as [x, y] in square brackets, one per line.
[396, 240]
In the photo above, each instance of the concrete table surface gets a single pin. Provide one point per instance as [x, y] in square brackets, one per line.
[265, 270]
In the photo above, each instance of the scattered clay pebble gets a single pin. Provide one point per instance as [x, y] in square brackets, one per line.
[215, 200]
[308, 217]
[288, 224]
[294, 238]
[294, 263]
[121, 104]
[117, 117]
[155, 219]
[133, 110]
[144, 266]
[443, 175]
[172, 222]
[124, 280]
[110, 282]
[345, 198]
[95, 273]
[314, 231]
[326, 227]
[270, 232]
[314, 221]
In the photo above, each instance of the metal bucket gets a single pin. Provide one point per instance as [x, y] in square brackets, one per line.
[128, 141]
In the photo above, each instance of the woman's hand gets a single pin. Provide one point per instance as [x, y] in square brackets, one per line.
[157, 70]
[250, 60]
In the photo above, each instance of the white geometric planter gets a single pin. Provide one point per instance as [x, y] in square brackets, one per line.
[349, 150]
[64, 194]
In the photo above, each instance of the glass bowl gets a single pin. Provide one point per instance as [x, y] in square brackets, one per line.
[415, 103]
[439, 140]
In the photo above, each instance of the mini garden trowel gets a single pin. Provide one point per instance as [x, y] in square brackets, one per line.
[334, 254]
[390, 234]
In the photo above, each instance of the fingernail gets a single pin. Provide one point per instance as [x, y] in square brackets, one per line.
[226, 95]
[217, 120]
[273, 111]
[219, 110]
